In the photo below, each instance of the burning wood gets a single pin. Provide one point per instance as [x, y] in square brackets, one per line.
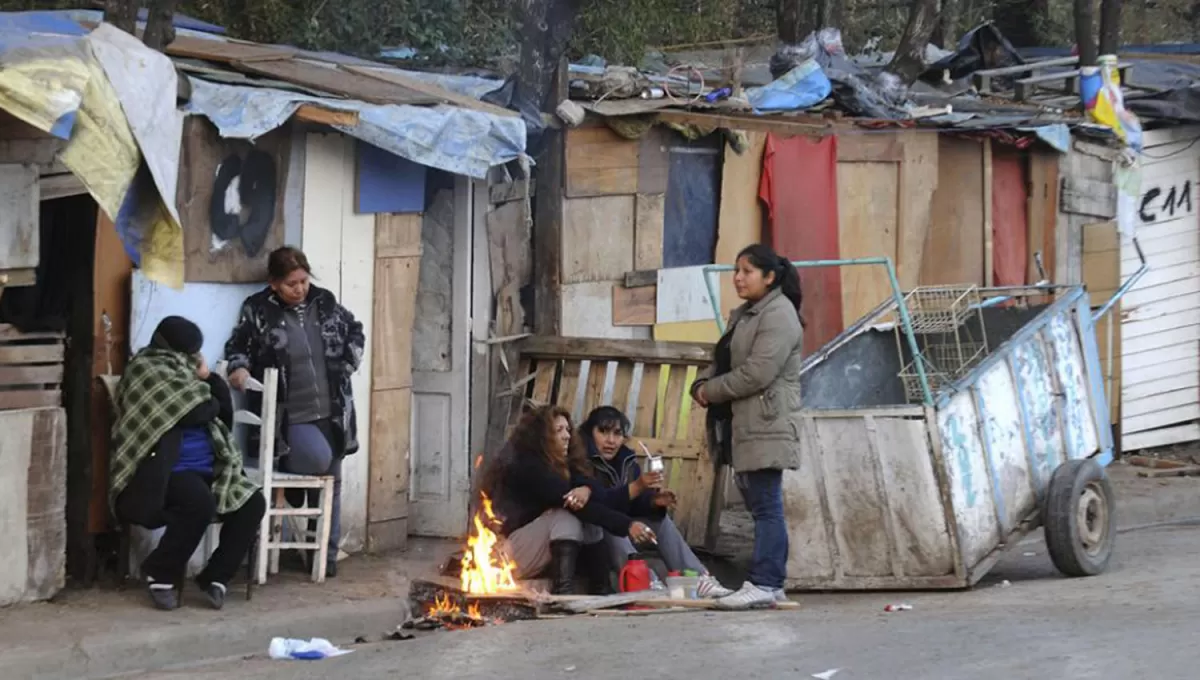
[446, 606]
[485, 570]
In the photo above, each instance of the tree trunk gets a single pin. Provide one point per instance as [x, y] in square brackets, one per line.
[1085, 34]
[546, 27]
[122, 14]
[160, 24]
[1110, 26]
[909, 62]
[795, 19]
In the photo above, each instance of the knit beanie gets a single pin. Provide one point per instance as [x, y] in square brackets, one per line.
[178, 334]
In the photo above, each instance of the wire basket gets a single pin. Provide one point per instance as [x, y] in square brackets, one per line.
[941, 309]
[944, 364]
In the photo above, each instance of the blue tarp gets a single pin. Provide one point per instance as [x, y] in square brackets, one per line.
[449, 138]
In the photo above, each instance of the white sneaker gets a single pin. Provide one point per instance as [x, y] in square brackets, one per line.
[749, 596]
[711, 589]
[781, 596]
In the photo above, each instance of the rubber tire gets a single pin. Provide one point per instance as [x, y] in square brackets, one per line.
[1060, 518]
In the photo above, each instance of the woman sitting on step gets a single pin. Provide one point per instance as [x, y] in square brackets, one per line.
[545, 526]
[176, 465]
[622, 486]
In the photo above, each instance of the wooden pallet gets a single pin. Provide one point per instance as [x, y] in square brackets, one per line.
[31, 369]
[650, 381]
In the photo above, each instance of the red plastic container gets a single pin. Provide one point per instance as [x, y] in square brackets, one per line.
[635, 576]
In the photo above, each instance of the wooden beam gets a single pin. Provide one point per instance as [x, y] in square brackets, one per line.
[596, 349]
[989, 237]
[778, 124]
[60, 186]
[417, 85]
[320, 115]
[549, 211]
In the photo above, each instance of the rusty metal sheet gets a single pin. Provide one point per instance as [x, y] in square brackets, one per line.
[338, 81]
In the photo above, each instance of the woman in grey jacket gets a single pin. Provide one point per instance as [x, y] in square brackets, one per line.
[752, 392]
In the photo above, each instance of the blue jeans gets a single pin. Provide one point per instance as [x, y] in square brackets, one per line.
[311, 454]
[763, 493]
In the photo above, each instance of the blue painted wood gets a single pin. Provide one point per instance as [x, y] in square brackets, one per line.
[692, 204]
[388, 183]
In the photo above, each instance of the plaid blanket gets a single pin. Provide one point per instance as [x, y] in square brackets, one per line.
[159, 387]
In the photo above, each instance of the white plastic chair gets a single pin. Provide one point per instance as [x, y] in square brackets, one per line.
[275, 484]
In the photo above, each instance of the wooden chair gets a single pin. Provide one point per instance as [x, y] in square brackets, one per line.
[650, 381]
[275, 484]
[125, 531]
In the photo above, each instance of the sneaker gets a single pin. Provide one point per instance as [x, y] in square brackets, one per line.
[711, 589]
[215, 594]
[781, 596]
[748, 597]
[163, 595]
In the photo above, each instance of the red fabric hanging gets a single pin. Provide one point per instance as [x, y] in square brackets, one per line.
[1010, 250]
[799, 187]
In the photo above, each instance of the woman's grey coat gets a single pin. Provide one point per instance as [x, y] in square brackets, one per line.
[763, 384]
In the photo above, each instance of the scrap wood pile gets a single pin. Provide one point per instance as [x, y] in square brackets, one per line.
[1165, 467]
[446, 606]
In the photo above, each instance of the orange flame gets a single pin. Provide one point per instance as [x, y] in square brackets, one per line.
[485, 571]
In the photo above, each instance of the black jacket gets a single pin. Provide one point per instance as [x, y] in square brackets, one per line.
[143, 500]
[610, 485]
[257, 344]
[528, 488]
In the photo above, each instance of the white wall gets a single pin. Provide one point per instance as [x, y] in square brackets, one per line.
[1160, 330]
[341, 249]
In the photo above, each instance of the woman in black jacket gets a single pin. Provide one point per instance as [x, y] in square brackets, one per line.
[316, 344]
[532, 485]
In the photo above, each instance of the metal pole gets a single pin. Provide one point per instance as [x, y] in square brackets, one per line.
[897, 297]
[1129, 283]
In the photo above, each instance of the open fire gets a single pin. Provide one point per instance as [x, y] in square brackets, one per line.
[487, 579]
[485, 571]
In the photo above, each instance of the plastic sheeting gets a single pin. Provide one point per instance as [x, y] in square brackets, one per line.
[456, 140]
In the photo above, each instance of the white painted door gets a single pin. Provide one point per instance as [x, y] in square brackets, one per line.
[440, 459]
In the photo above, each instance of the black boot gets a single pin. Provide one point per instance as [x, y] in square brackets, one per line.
[595, 562]
[564, 555]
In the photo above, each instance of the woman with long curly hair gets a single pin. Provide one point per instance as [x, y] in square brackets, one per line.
[534, 483]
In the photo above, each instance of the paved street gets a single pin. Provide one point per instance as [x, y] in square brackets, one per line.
[1136, 621]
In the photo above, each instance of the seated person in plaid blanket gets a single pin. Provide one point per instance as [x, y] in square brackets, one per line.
[176, 465]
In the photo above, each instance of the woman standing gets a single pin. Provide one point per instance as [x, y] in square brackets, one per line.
[752, 391]
[316, 344]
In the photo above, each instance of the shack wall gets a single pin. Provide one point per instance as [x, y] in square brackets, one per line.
[1160, 333]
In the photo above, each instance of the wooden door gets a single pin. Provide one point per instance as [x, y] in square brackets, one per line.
[439, 477]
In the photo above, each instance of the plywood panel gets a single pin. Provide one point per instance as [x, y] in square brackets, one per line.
[390, 442]
[396, 280]
[111, 297]
[598, 238]
[649, 213]
[587, 312]
[19, 241]
[741, 220]
[868, 224]
[357, 269]
[954, 246]
[634, 306]
[1102, 276]
[208, 163]
[600, 163]
[397, 235]
[918, 181]
[1043, 213]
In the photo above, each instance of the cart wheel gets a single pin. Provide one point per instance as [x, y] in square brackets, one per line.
[1080, 518]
